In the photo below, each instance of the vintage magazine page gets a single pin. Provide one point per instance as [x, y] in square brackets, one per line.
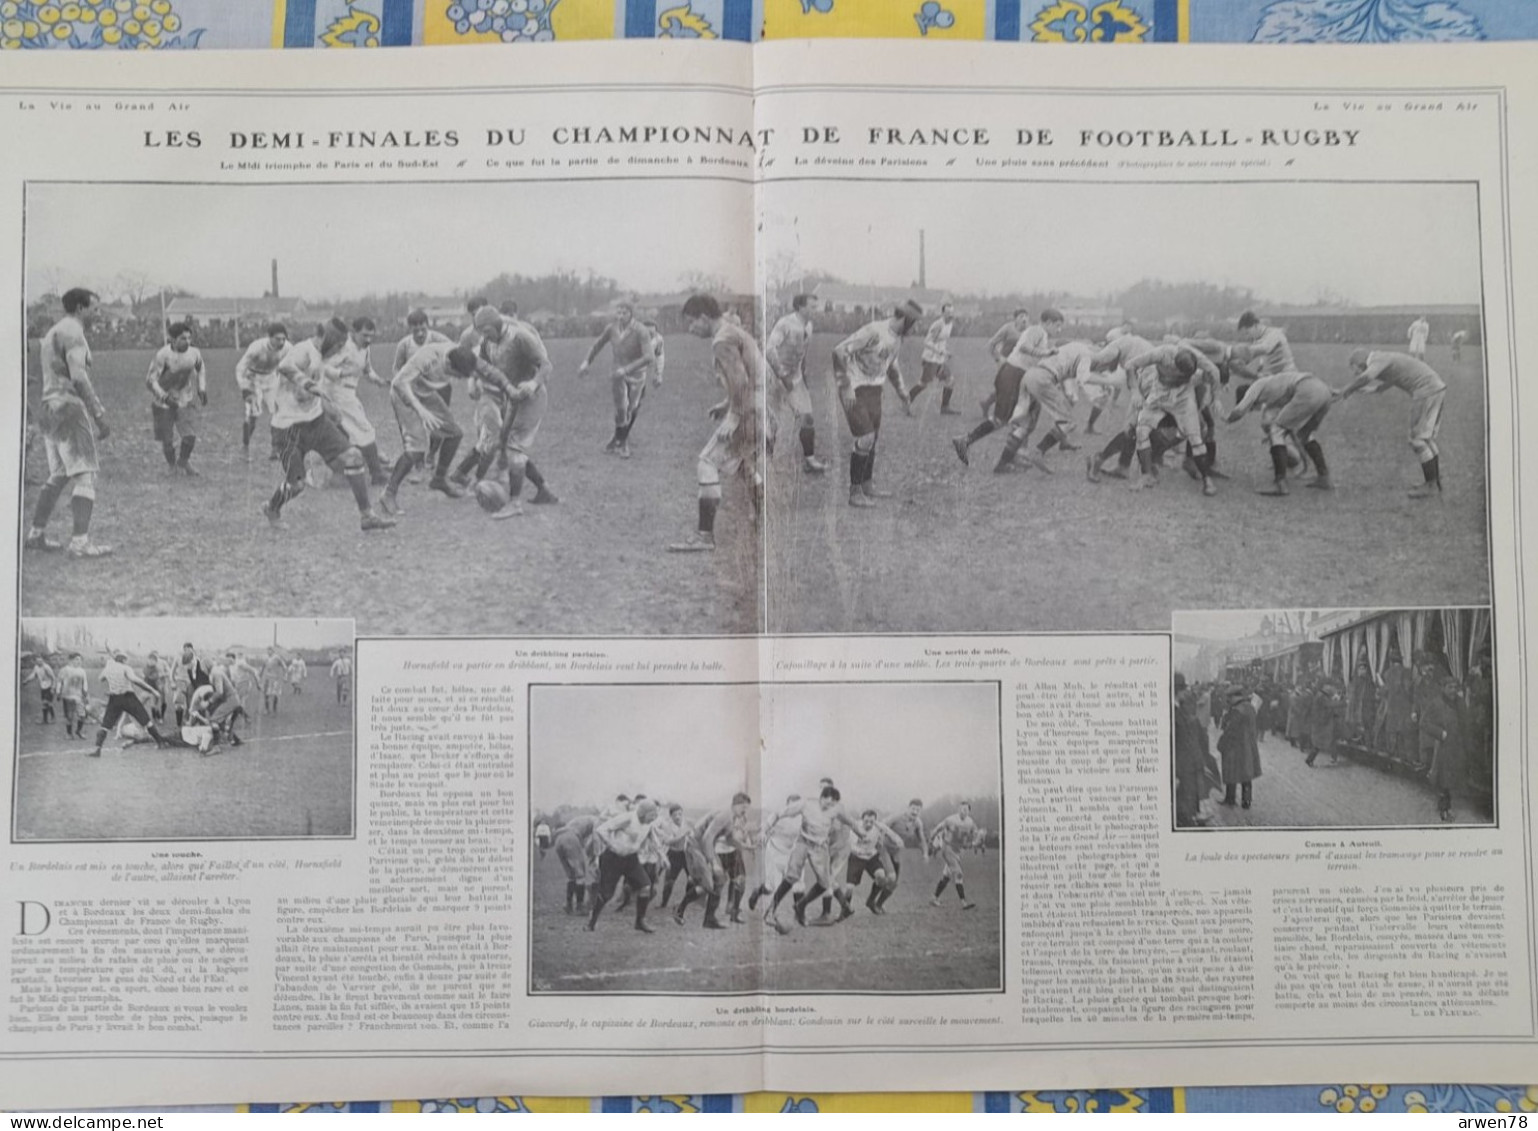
[810, 566]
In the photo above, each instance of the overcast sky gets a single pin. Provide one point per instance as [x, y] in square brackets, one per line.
[1369, 244]
[167, 634]
[346, 240]
[881, 744]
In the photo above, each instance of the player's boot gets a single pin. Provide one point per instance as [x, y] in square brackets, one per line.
[39, 540]
[871, 491]
[1209, 488]
[1426, 491]
[390, 505]
[447, 487]
[1278, 488]
[81, 546]
[858, 498]
[813, 466]
[274, 518]
[373, 520]
[697, 543]
[623, 451]
[1092, 468]
[513, 509]
[544, 497]
[968, 906]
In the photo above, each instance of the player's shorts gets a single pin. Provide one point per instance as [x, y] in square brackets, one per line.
[354, 420]
[860, 867]
[612, 868]
[1426, 416]
[1006, 392]
[488, 424]
[728, 445]
[838, 858]
[273, 687]
[526, 416]
[952, 861]
[733, 864]
[814, 856]
[774, 863]
[1307, 408]
[72, 708]
[628, 394]
[542, 841]
[124, 703]
[1045, 391]
[1179, 404]
[321, 436]
[865, 417]
[573, 857]
[415, 433]
[45, 694]
[69, 436]
[798, 396]
[932, 371]
[173, 420]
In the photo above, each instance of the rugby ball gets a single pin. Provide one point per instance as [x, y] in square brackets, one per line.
[491, 495]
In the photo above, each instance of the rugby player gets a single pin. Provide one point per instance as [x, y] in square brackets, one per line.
[863, 363]
[71, 419]
[786, 353]
[305, 427]
[1184, 378]
[178, 386]
[1032, 346]
[637, 350]
[867, 856]
[341, 375]
[621, 837]
[810, 853]
[950, 837]
[714, 864]
[1426, 390]
[740, 368]
[73, 694]
[418, 334]
[778, 841]
[122, 685]
[935, 360]
[421, 410]
[571, 843]
[514, 350]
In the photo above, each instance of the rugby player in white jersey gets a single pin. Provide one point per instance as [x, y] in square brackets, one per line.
[304, 427]
[786, 353]
[256, 376]
[935, 362]
[863, 364]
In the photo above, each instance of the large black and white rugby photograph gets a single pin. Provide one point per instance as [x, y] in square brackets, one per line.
[305, 400]
[183, 728]
[731, 838]
[1344, 718]
[1082, 406]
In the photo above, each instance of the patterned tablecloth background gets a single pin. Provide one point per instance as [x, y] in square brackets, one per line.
[200, 24]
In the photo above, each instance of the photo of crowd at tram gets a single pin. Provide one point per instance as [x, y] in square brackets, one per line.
[1402, 699]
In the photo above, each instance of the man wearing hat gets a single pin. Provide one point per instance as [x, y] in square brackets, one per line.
[1444, 730]
[1239, 746]
[862, 364]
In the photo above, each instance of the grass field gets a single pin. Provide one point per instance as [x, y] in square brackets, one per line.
[292, 777]
[594, 564]
[959, 549]
[912, 948]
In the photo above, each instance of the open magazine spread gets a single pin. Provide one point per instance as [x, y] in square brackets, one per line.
[809, 566]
